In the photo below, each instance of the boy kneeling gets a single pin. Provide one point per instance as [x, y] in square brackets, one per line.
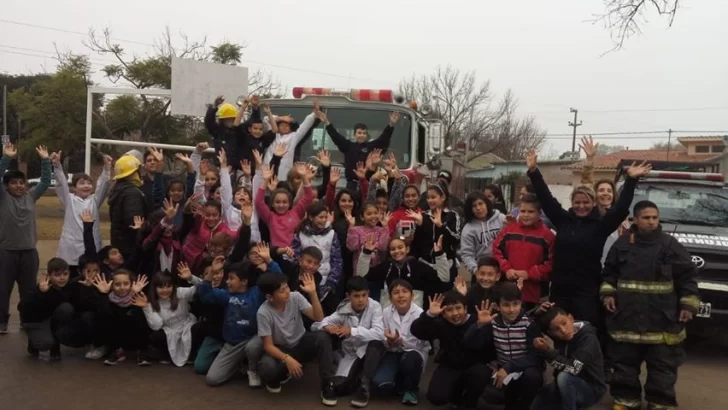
[358, 320]
[285, 340]
[577, 361]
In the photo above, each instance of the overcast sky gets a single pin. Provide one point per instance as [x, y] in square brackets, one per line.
[547, 52]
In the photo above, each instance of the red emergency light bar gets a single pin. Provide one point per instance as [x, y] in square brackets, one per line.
[696, 176]
[355, 94]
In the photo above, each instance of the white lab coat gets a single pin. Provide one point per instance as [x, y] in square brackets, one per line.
[71, 246]
[367, 329]
[291, 140]
[396, 322]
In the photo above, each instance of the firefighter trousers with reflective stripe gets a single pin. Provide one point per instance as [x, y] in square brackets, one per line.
[662, 364]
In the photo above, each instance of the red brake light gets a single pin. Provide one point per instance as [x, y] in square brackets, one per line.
[696, 176]
[355, 94]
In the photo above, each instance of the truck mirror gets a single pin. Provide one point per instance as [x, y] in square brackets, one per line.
[435, 135]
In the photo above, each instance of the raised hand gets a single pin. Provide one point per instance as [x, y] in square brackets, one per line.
[108, 160]
[437, 217]
[335, 175]
[139, 284]
[263, 251]
[485, 313]
[102, 284]
[246, 167]
[56, 158]
[266, 110]
[202, 147]
[531, 160]
[183, 271]
[350, 218]
[170, 209]
[370, 242]
[415, 215]
[637, 171]
[222, 157]
[10, 151]
[588, 146]
[308, 284]
[384, 218]
[461, 286]
[246, 212]
[158, 154]
[44, 284]
[300, 168]
[280, 150]
[436, 304]
[42, 151]
[140, 300]
[217, 264]
[360, 171]
[316, 106]
[393, 118]
[288, 251]
[273, 184]
[138, 223]
[322, 117]
[183, 157]
[87, 216]
[324, 158]
[218, 100]
[267, 172]
[310, 173]
[373, 159]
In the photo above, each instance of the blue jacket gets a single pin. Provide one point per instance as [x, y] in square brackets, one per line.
[240, 322]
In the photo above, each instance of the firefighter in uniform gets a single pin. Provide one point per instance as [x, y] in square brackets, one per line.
[650, 292]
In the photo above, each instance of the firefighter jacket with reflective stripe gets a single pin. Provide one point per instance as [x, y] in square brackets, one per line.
[652, 278]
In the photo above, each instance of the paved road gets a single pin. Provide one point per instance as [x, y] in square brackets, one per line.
[77, 384]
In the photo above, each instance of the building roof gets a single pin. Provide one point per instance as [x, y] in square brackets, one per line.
[484, 160]
[705, 138]
[611, 161]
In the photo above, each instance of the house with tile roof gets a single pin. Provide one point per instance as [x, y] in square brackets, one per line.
[704, 154]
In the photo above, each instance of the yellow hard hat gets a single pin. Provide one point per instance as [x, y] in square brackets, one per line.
[227, 111]
[125, 166]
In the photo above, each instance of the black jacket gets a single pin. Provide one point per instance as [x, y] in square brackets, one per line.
[125, 202]
[651, 276]
[580, 241]
[454, 353]
[39, 306]
[420, 275]
[427, 234]
[357, 151]
[581, 356]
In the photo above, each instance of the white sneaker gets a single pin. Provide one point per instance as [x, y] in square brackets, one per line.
[254, 379]
[96, 353]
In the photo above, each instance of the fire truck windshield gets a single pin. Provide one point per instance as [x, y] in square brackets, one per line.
[344, 120]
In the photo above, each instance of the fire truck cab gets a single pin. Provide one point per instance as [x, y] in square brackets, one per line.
[417, 141]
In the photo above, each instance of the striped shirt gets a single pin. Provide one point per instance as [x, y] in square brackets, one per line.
[510, 340]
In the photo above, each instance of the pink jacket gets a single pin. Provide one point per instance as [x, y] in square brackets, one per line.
[198, 238]
[283, 226]
[357, 236]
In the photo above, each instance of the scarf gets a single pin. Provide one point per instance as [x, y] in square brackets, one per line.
[310, 230]
[121, 301]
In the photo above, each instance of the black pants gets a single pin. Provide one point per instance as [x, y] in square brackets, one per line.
[662, 364]
[362, 370]
[125, 328]
[312, 346]
[158, 340]
[461, 387]
[519, 394]
[54, 331]
[19, 267]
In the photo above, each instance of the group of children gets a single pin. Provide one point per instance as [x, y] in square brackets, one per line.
[360, 280]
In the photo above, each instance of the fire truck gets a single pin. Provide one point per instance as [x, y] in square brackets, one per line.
[417, 141]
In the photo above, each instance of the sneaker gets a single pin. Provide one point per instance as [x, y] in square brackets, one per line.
[143, 359]
[286, 380]
[44, 355]
[115, 357]
[254, 379]
[409, 398]
[328, 394]
[55, 353]
[95, 353]
[274, 388]
[3, 328]
[361, 398]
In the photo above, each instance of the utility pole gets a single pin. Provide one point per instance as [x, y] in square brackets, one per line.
[574, 125]
[5, 109]
[669, 142]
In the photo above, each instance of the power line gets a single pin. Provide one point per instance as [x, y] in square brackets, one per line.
[41, 56]
[105, 62]
[19, 23]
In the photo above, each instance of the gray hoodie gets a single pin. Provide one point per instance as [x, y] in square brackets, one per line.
[477, 239]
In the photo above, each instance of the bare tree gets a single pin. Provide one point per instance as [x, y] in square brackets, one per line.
[604, 149]
[623, 18]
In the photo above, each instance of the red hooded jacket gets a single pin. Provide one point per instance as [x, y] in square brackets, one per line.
[529, 248]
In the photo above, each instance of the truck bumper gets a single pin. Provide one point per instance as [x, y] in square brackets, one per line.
[715, 295]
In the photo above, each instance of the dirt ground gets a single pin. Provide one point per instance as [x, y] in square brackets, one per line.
[77, 384]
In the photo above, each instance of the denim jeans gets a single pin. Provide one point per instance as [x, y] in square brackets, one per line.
[569, 392]
[400, 371]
